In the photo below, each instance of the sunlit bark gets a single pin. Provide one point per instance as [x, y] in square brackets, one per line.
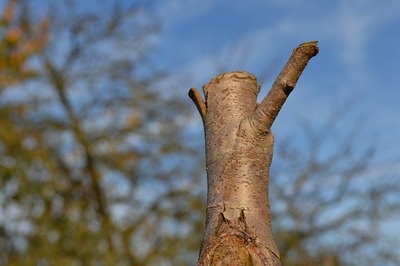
[239, 149]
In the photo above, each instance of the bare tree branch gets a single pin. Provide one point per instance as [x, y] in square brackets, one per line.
[198, 101]
[267, 111]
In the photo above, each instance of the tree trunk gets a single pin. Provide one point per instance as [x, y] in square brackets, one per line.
[239, 149]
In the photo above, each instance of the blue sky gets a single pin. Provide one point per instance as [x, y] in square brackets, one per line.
[358, 66]
[358, 63]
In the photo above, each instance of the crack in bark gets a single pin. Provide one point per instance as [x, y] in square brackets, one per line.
[239, 147]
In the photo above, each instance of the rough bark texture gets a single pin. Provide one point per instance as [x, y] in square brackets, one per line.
[239, 149]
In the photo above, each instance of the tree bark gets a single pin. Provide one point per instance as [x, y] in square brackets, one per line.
[239, 149]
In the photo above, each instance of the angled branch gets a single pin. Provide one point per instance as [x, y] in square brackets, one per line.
[195, 95]
[265, 114]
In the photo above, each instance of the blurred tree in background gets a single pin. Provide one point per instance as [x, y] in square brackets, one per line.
[95, 166]
[20, 39]
[329, 200]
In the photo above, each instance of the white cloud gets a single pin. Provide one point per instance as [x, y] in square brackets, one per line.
[173, 12]
[354, 24]
[345, 30]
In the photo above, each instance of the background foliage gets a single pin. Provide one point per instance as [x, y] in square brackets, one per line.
[98, 166]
